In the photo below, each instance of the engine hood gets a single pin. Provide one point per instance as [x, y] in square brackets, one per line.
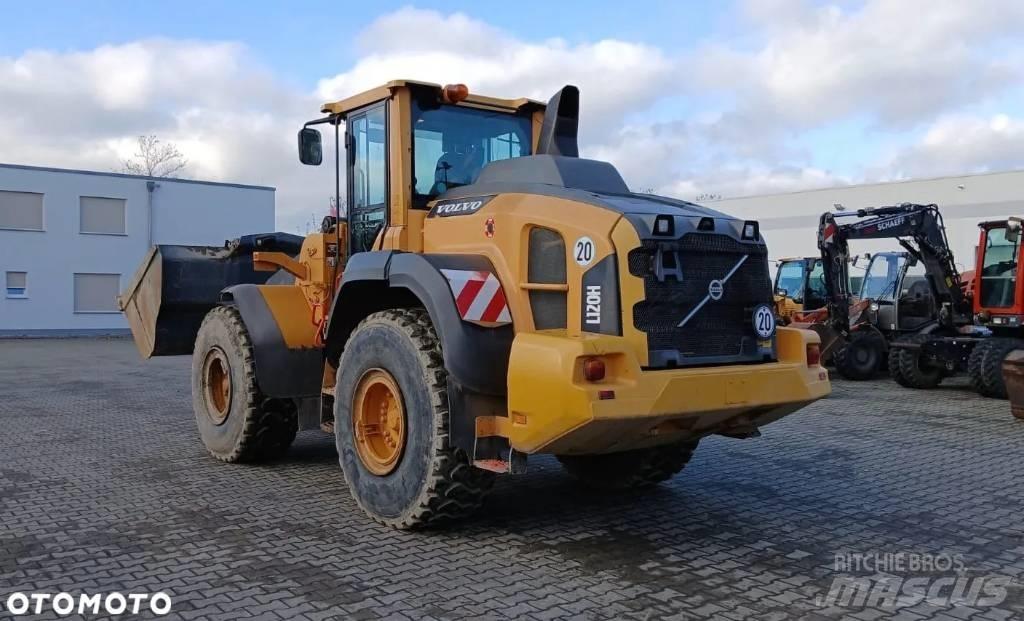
[594, 183]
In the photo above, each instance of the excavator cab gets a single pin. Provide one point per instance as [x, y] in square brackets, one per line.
[999, 301]
[900, 293]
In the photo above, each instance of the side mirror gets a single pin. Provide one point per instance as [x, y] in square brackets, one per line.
[1013, 230]
[311, 150]
[782, 292]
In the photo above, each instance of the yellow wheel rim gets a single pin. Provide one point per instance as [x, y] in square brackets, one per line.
[217, 385]
[378, 418]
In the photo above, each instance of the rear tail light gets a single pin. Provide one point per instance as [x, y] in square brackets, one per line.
[593, 369]
[813, 354]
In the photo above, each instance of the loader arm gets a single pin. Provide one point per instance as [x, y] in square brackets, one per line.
[919, 229]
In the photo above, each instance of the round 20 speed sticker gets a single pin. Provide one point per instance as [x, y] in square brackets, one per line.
[764, 321]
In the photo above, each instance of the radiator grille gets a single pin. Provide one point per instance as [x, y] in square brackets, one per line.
[721, 327]
[547, 266]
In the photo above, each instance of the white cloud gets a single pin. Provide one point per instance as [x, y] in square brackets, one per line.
[958, 144]
[231, 118]
[898, 61]
[793, 66]
[614, 76]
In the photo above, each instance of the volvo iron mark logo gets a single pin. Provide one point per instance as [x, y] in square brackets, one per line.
[715, 290]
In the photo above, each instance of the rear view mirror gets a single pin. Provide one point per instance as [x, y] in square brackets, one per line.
[311, 150]
[1013, 230]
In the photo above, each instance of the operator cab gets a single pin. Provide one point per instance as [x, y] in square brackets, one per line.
[900, 292]
[803, 281]
[449, 134]
[999, 266]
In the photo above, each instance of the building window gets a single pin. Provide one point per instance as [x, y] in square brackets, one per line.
[97, 293]
[102, 216]
[21, 211]
[17, 283]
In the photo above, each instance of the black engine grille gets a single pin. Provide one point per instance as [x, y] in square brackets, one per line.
[722, 328]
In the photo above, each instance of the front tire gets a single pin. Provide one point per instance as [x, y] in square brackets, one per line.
[905, 365]
[861, 358]
[629, 469]
[236, 422]
[391, 425]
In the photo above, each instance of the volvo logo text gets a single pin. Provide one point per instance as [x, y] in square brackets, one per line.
[715, 289]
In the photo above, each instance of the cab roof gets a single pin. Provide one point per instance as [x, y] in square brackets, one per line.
[343, 106]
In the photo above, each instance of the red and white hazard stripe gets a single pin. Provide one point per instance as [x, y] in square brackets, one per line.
[829, 232]
[478, 296]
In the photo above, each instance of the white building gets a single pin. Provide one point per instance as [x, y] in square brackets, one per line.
[70, 240]
[789, 222]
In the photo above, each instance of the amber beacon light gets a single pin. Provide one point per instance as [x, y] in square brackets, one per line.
[454, 93]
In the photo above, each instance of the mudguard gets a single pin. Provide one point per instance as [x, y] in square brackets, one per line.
[281, 372]
[476, 357]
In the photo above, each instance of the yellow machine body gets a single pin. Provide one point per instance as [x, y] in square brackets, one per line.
[547, 405]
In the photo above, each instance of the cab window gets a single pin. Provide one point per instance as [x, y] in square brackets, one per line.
[791, 279]
[452, 144]
[817, 294]
[881, 278]
[998, 270]
[368, 183]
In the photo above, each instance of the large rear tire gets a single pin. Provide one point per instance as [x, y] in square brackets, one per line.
[905, 365]
[861, 358]
[236, 422]
[391, 425]
[629, 469]
[986, 367]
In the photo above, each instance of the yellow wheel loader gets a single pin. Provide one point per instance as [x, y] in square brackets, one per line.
[488, 295]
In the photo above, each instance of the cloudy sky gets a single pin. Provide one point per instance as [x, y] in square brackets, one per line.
[686, 98]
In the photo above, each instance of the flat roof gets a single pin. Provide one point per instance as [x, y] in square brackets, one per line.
[846, 186]
[98, 173]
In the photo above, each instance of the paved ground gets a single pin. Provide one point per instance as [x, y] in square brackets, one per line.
[104, 487]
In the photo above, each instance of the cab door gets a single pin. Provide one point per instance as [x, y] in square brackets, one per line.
[367, 176]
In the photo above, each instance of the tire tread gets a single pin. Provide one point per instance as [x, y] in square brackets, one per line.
[454, 487]
[268, 431]
[631, 469]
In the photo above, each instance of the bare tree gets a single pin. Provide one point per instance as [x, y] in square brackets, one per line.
[155, 159]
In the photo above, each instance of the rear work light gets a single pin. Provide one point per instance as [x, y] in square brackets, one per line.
[593, 369]
[813, 354]
[751, 230]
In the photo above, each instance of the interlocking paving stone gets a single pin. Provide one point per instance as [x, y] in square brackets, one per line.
[105, 486]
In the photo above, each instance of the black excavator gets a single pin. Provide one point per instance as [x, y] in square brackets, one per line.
[912, 308]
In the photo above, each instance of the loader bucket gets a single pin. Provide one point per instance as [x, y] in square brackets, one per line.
[176, 286]
[830, 338]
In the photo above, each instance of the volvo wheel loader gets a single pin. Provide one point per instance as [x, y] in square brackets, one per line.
[489, 295]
